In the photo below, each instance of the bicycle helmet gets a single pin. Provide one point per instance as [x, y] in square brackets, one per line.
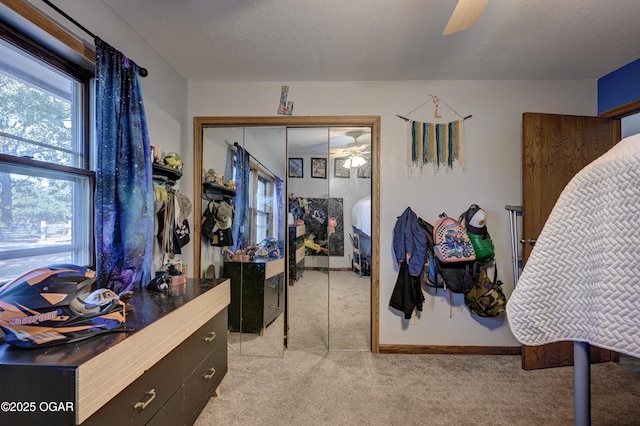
[54, 305]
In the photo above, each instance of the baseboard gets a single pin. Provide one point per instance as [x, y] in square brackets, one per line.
[450, 350]
[323, 268]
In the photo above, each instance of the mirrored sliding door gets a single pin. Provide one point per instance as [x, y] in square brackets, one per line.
[350, 226]
[308, 191]
[299, 225]
[330, 198]
[243, 231]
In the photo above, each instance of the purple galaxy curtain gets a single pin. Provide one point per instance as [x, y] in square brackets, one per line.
[280, 212]
[124, 188]
[240, 226]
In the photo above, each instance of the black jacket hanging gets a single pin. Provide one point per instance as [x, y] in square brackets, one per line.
[407, 294]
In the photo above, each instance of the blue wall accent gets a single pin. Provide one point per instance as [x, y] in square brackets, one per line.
[619, 87]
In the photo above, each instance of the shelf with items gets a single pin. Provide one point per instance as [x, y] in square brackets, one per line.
[165, 174]
[216, 192]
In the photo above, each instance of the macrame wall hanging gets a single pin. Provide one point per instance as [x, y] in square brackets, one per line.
[435, 144]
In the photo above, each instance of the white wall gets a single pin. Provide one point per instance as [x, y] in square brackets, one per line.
[164, 90]
[492, 177]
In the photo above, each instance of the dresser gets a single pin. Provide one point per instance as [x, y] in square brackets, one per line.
[163, 372]
[257, 293]
[296, 252]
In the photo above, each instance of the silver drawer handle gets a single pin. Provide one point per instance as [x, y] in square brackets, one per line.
[139, 406]
[210, 337]
[273, 306]
[210, 373]
[272, 286]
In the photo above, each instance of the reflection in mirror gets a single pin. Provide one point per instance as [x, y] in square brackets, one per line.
[243, 231]
[321, 174]
[330, 296]
[308, 193]
[350, 272]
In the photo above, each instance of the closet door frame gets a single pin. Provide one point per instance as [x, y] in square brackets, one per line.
[311, 121]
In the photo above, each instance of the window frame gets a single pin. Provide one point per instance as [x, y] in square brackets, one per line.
[257, 174]
[37, 46]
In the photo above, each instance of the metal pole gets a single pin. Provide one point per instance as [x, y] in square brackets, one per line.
[581, 384]
[513, 224]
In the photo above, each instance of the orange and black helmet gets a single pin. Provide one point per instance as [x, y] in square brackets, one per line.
[55, 305]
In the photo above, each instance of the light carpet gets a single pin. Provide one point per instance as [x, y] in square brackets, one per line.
[361, 388]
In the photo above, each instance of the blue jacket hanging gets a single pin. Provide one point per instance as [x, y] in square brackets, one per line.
[410, 247]
[410, 242]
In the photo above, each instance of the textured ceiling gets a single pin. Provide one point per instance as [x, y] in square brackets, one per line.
[369, 40]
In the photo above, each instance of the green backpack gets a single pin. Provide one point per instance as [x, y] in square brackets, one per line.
[486, 298]
[474, 222]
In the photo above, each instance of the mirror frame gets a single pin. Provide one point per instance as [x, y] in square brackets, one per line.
[199, 123]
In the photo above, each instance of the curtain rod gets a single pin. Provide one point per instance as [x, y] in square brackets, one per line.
[141, 71]
[237, 145]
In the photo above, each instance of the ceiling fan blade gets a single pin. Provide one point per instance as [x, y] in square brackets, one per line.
[465, 15]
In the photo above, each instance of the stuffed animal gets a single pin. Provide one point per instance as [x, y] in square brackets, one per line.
[173, 160]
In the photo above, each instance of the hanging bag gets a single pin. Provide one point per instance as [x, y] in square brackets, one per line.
[451, 241]
[474, 222]
[452, 265]
[486, 298]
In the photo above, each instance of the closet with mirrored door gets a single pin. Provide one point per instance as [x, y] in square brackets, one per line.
[289, 215]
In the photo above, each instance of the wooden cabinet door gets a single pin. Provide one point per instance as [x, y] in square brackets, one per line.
[555, 148]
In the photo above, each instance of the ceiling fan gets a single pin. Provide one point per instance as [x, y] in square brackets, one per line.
[356, 152]
[465, 15]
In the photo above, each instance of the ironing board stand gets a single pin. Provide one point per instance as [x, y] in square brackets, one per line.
[581, 384]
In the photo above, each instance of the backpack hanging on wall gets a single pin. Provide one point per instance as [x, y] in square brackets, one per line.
[429, 274]
[486, 298]
[475, 225]
[451, 241]
[457, 275]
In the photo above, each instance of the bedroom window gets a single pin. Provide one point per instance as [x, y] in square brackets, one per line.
[261, 208]
[46, 186]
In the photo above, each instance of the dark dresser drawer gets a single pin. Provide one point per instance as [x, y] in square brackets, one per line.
[207, 339]
[199, 387]
[137, 403]
[272, 295]
[172, 413]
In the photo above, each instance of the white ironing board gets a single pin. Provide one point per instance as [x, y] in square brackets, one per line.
[581, 282]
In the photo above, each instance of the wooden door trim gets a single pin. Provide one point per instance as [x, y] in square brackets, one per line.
[622, 111]
[372, 121]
